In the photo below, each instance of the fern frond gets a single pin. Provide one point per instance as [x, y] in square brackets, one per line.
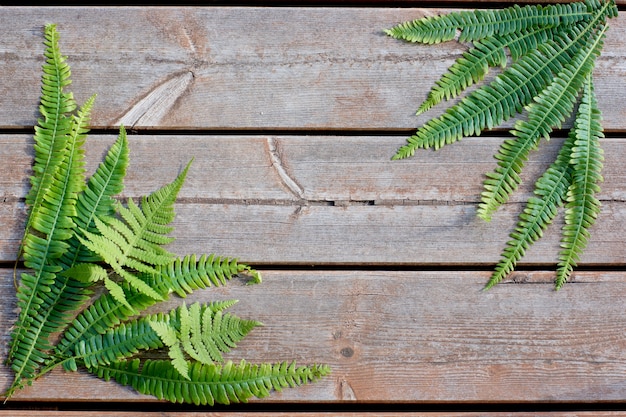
[117, 343]
[52, 226]
[582, 205]
[97, 201]
[548, 111]
[478, 24]
[190, 273]
[550, 193]
[104, 314]
[134, 242]
[474, 64]
[52, 130]
[209, 384]
[202, 332]
[494, 103]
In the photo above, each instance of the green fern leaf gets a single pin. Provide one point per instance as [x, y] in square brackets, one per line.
[545, 79]
[201, 332]
[209, 384]
[475, 63]
[103, 315]
[190, 273]
[549, 109]
[39, 292]
[479, 24]
[118, 343]
[582, 205]
[134, 243]
[51, 133]
[550, 192]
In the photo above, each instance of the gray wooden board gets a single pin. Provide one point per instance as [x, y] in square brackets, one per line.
[412, 336]
[247, 68]
[331, 200]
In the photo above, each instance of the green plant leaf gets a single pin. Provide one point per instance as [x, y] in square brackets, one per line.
[51, 223]
[191, 273]
[74, 228]
[553, 57]
[201, 332]
[582, 206]
[479, 24]
[134, 242]
[209, 384]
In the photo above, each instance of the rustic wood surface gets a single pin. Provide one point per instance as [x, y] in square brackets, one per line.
[309, 196]
[370, 265]
[248, 68]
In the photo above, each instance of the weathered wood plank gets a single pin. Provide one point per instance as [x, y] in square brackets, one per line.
[247, 68]
[301, 169]
[238, 200]
[417, 337]
[361, 235]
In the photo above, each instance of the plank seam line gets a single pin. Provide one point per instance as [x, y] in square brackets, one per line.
[277, 163]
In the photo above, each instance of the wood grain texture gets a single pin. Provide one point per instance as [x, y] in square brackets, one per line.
[417, 337]
[354, 207]
[309, 169]
[248, 68]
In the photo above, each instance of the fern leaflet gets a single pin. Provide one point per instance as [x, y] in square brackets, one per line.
[190, 273]
[201, 332]
[582, 205]
[209, 384]
[135, 241]
[479, 24]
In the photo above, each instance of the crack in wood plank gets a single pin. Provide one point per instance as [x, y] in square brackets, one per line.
[151, 109]
[277, 163]
[346, 393]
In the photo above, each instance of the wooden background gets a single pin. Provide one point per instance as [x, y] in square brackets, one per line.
[375, 267]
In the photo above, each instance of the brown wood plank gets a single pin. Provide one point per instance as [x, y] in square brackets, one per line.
[413, 336]
[247, 68]
[272, 206]
[362, 235]
[309, 169]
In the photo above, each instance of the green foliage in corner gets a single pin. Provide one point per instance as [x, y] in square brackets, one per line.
[552, 50]
[78, 236]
